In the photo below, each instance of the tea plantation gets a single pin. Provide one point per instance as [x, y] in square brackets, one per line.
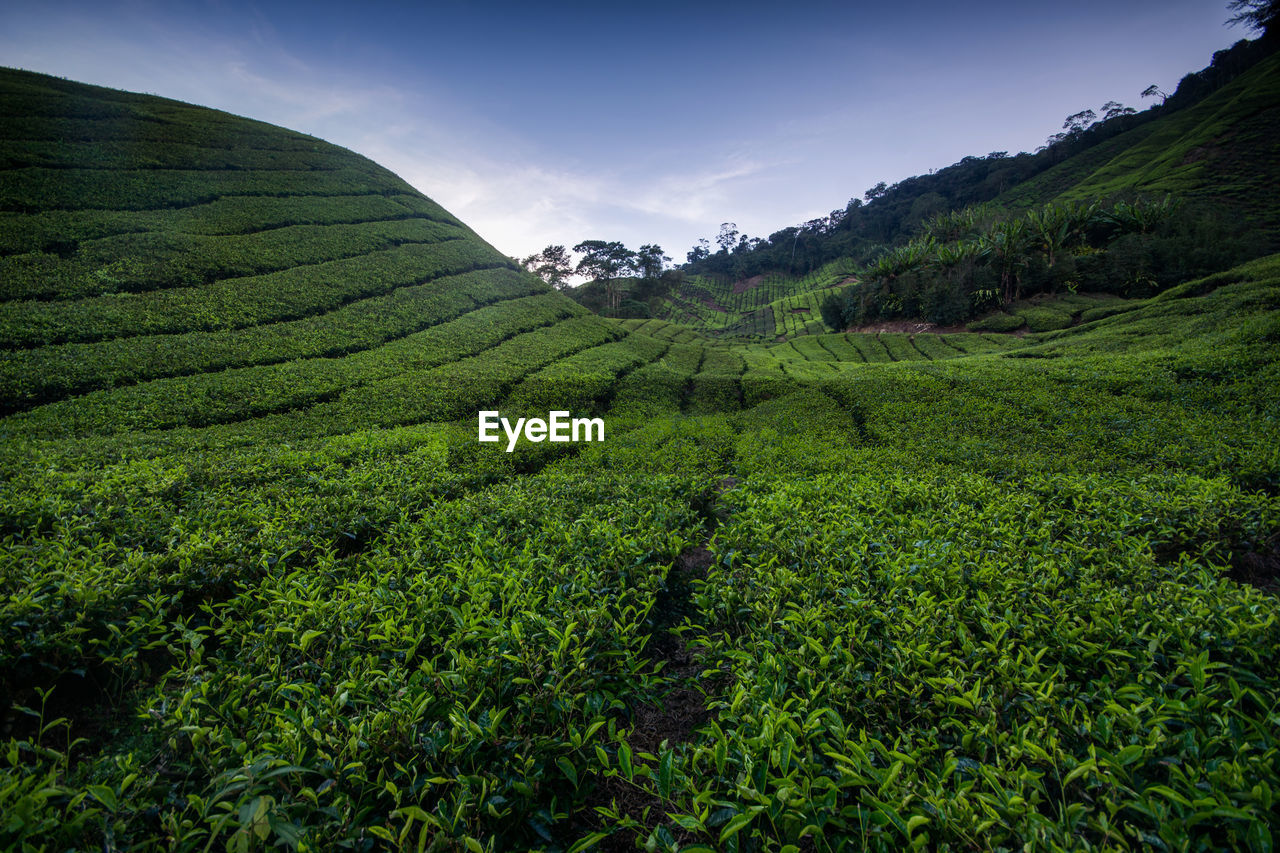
[262, 588]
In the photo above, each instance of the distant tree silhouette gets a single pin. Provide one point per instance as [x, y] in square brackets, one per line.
[1153, 91]
[727, 239]
[606, 262]
[650, 260]
[1077, 122]
[1257, 14]
[700, 251]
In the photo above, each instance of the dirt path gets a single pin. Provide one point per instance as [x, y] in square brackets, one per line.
[910, 327]
[673, 716]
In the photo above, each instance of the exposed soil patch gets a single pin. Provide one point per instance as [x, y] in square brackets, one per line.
[672, 722]
[694, 562]
[910, 327]
[713, 305]
[1211, 150]
[634, 802]
[748, 284]
[1200, 152]
[1259, 568]
[799, 310]
[670, 718]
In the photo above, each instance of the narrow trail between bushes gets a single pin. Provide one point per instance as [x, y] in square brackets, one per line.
[672, 717]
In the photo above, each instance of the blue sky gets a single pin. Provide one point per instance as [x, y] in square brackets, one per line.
[640, 122]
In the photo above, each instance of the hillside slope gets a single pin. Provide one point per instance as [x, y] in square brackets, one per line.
[180, 265]
[1224, 151]
[262, 587]
[1219, 156]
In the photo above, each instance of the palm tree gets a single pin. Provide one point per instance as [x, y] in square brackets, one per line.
[1050, 229]
[947, 255]
[953, 225]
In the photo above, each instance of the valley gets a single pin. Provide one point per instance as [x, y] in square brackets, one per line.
[1009, 583]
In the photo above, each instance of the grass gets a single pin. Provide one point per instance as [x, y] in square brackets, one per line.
[263, 587]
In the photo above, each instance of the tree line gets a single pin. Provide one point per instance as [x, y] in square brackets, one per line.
[891, 213]
[888, 215]
[604, 262]
[965, 262]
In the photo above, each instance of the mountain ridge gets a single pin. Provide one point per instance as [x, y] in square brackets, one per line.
[1223, 121]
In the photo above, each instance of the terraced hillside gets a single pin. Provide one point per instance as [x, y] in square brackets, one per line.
[1218, 159]
[168, 265]
[767, 306]
[261, 586]
[1224, 151]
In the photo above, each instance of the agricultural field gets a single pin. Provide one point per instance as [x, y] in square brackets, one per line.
[261, 586]
[771, 307]
[1050, 312]
[1222, 149]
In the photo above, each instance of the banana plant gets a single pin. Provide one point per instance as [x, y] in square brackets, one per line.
[1057, 226]
[1141, 216]
[1006, 245]
[947, 255]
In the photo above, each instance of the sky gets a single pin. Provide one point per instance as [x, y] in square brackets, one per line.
[557, 122]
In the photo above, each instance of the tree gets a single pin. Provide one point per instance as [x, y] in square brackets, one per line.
[1006, 245]
[1056, 225]
[727, 239]
[1256, 14]
[602, 260]
[1052, 141]
[1078, 122]
[1113, 109]
[1153, 91]
[876, 192]
[553, 265]
[1141, 216]
[650, 261]
[606, 262]
[699, 252]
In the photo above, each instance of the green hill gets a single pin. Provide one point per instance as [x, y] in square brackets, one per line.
[1224, 152]
[767, 306]
[262, 587]
[1212, 147]
[170, 265]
